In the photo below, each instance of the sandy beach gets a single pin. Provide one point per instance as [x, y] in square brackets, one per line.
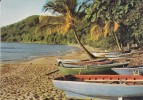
[29, 80]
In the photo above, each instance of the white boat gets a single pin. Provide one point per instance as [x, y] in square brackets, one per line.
[101, 85]
[115, 54]
[129, 71]
[64, 61]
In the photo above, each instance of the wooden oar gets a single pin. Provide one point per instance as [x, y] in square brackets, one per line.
[51, 72]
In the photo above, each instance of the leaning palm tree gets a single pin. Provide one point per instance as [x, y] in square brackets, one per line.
[68, 15]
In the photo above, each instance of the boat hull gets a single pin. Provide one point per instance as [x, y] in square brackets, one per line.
[103, 54]
[128, 71]
[84, 64]
[99, 85]
[83, 97]
[97, 89]
[117, 56]
[94, 69]
[74, 71]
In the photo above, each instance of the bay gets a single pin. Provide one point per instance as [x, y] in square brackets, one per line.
[25, 51]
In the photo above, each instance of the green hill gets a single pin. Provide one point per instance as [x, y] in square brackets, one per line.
[24, 31]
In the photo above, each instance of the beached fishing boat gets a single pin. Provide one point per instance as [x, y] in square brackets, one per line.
[115, 54]
[101, 85]
[67, 60]
[103, 54]
[77, 60]
[84, 63]
[92, 69]
[129, 71]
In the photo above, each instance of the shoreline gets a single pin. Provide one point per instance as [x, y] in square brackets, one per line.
[29, 80]
[75, 48]
[30, 59]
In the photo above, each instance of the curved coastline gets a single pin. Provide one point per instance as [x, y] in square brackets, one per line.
[29, 80]
[21, 57]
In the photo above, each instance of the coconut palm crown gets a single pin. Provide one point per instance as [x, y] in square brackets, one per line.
[68, 14]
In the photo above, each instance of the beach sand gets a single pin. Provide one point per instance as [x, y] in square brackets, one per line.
[28, 80]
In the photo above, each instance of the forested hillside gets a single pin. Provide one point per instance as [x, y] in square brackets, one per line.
[128, 16]
[24, 31]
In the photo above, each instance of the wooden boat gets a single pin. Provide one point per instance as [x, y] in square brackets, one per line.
[129, 71]
[92, 69]
[84, 63]
[77, 60]
[67, 60]
[101, 85]
[102, 54]
[115, 54]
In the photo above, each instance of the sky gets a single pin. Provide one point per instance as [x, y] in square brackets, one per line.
[12, 11]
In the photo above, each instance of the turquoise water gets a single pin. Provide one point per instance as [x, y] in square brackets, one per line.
[21, 51]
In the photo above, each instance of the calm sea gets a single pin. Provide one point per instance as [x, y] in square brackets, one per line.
[22, 51]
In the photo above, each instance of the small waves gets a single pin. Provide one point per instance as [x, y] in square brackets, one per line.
[21, 51]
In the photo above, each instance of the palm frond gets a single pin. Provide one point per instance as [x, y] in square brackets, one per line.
[83, 5]
[108, 28]
[96, 31]
[59, 24]
[57, 7]
[116, 26]
[72, 4]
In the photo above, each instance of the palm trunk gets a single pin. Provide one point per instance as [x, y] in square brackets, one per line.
[138, 42]
[89, 54]
[117, 41]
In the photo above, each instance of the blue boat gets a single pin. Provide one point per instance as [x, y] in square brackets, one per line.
[101, 85]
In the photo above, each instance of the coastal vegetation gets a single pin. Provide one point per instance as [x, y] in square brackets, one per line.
[98, 24]
[70, 14]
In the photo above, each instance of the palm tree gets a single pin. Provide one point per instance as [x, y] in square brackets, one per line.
[110, 27]
[104, 16]
[69, 14]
